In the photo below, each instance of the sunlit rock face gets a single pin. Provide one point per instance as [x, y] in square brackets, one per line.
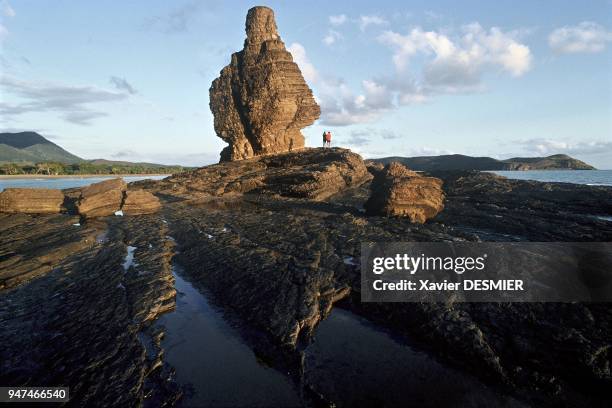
[260, 100]
[398, 191]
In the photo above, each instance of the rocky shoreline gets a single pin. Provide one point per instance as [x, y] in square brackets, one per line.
[275, 241]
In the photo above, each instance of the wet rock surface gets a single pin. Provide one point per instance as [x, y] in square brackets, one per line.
[277, 254]
[80, 325]
[260, 100]
[525, 210]
[397, 191]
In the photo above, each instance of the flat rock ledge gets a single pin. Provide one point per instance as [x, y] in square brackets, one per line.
[96, 200]
[31, 201]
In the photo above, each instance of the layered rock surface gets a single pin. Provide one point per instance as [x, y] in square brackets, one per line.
[31, 201]
[260, 100]
[310, 173]
[139, 202]
[101, 199]
[277, 257]
[401, 192]
[96, 200]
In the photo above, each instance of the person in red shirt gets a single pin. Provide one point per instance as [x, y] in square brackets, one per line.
[327, 139]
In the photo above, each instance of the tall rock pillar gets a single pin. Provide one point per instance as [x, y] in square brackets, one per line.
[260, 100]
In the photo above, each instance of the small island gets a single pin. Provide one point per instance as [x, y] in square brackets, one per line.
[461, 162]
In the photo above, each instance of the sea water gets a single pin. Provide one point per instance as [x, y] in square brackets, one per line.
[588, 177]
[350, 362]
[65, 182]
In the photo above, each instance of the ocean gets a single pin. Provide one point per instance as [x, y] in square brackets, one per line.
[588, 177]
[64, 182]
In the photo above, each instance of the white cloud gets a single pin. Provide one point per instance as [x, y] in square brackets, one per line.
[586, 37]
[550, 146]
[339, 105]
[7, 10]
[301, 59]
[465, 55]
[72, 102]
[331, 37]
[452, 64]
[338, 20]
[365, 21]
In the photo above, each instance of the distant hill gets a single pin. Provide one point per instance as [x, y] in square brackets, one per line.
[30, 147]
[461, 162]
[104, 162]
[31, 153]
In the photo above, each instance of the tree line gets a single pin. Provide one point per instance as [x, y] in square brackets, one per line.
[57, 169]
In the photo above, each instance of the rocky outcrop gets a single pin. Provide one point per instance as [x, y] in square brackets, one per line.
[84, 320]
[96, 200]
[260, 100]
[398, 191]
[512, 210]
[139, 202]
[101, 199]
[275, 262]
[31, 201]
[314, 174]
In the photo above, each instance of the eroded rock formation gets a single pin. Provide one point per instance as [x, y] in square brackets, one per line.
[401, 192]
[31, 201]
[101, 199]
[139, 202]
[314, 174]
[260, 100]
[275, 256]
[96, 200]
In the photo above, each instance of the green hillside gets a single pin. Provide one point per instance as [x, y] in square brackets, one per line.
[31, 147]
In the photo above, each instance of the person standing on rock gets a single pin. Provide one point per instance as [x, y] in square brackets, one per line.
[324, 138]
[327, 139]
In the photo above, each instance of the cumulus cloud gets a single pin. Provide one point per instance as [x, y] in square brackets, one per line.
[464, 55]
[299, 56]
[331, 37]
[340, 106]
[72, 102]
[550, 146]
[123, 85]
[368, 20]
[7, 10]
[451, 64]
[586, 37]
[338, 20]
[448, 65]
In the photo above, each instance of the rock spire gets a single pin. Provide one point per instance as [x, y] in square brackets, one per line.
[260, 100]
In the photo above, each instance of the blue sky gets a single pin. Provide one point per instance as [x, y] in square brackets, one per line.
[129, 80]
